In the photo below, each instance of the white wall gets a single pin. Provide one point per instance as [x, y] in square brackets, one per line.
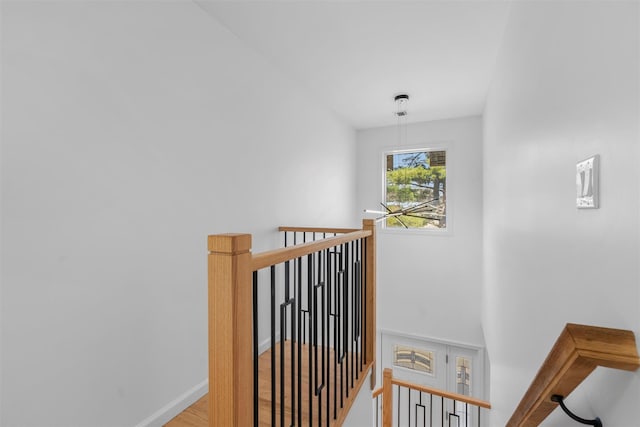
[131, 130]
[566, 87]
[430, 285]
[361, 412]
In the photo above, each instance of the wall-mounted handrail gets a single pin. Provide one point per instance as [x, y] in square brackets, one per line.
[560, 400]
[577, 352]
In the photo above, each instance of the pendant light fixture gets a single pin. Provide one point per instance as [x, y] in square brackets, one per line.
[426, 209]
[401, 100]
[401, 104]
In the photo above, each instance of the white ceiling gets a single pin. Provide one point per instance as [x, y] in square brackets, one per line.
[356, 55]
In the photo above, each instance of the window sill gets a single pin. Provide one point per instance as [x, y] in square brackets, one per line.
[417, 232]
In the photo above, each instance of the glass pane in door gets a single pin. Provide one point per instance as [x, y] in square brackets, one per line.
[463, 375]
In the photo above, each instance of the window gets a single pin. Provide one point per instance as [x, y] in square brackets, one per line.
[412, 358]
[416, 189]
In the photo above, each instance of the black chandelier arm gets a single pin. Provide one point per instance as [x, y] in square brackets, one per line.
[560, 400]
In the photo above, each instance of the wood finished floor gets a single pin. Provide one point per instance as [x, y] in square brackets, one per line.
[197, 415]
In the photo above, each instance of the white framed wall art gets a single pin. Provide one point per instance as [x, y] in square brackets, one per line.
[587, 185]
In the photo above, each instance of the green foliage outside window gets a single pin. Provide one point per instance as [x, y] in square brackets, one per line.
[416, 187]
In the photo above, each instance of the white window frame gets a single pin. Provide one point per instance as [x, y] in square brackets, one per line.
[447, 146]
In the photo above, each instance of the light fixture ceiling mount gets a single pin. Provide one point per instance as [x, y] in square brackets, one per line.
[401, 104]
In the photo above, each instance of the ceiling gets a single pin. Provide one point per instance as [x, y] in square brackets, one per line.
[355, 56]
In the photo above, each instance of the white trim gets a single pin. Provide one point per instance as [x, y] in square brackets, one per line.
[432, 339]
[176, 406]
[265, 344]
[189, 397]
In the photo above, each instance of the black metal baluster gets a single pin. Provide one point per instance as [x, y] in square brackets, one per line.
[273, 345]
[364, 300]
[256, 391]
[430, 410]
[283, 336]
[455, 414]
[345, 320]
[363, 303]
[309, 306]
[457, 419]
[283, 331]
[304, 313]
[398, 405]
[356, 310]
[313, 324]
[358, 298]
[424, 412]
[326, 330]
[354, 368]
[333, 308]
[466, 415]
[339, 308]
[409, 407]
[292, 362]
[300, 327]
[319, 286]
[288, 303]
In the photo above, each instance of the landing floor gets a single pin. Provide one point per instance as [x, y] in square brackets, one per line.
[197, 415]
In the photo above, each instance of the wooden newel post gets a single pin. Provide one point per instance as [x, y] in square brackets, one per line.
[230, 331]
[387, 398]
[370, 292]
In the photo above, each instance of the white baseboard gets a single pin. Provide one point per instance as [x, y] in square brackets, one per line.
[173, 408]
[186, 399]
[266, 344]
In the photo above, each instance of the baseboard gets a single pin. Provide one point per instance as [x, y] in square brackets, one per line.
[266, 344]
[186, 399]
[173, 408]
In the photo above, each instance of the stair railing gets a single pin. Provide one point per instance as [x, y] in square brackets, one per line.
[577, 352]
[418, 405]
[308, 366]
[296, 235]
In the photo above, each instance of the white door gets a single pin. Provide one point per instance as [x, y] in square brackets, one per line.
[464, 377]
[436, 364]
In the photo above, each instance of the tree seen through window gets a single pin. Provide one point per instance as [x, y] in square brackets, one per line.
[416, 189]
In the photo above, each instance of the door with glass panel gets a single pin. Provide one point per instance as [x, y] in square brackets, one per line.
[416, 360]
[463, 377]
[440, 365]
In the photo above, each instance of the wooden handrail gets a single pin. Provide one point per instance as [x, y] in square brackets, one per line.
[436, 392]
[277, 256]
[231, 364]
[369, 297]
[577, 352]
[377, 392]
[328, 230]
[448, 395]
[386, 391]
